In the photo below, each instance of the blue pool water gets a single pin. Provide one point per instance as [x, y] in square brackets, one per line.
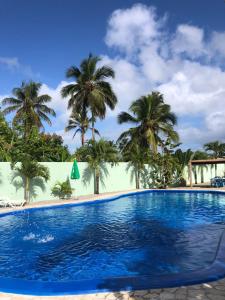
[147, 234]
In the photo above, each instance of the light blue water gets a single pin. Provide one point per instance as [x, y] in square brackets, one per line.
[146, 234]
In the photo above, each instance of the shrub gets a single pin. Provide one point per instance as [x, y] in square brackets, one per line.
[62, 190]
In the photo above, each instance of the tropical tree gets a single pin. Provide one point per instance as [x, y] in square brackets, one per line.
[137, 158]
[32, 173]
[6, 139]
[215, 149]
[200, 155]
[30, 108]
[80, 123]
[134, 153]
[41, 147]
[91, 90]
[153, 119]
[183, 159]
[96, 154]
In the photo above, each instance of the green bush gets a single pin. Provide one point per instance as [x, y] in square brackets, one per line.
[62, 190]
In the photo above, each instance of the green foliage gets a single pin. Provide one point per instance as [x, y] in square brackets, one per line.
[62, 190]
[183, 158]
[153, 119]
[137, 157]
[200, 155]
[215, 149]
[80, 123]
[91, 91]
[31, 172]
[30, 108]
[96, 153]
[40, 147]
[6, 139]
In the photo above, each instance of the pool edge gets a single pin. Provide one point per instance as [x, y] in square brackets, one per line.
[214, 272]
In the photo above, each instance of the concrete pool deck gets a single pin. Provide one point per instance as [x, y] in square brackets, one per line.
[207, 291]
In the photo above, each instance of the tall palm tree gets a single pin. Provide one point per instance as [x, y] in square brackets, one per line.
[91, 90]
[153, 119]
[30, 108]
[79, 123]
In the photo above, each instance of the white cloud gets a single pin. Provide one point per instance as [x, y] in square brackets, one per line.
[58, 103]
[10, 62]
[188, 93]
[154, 66]
[129, 82]
[14, 65]
[131, 28]
[218, 43]
[189, 40]
[178, 64]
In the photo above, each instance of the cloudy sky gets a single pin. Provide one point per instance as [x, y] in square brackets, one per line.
[175, 47]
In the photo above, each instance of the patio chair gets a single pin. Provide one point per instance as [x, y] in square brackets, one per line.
[6, 202]
[217, 182]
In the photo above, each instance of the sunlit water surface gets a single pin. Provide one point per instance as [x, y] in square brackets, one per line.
[145, 234]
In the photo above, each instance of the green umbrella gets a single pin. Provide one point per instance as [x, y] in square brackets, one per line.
[75, 171]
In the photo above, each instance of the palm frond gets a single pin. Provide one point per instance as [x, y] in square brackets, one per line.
[125, 117]
[43, 99]
[73, 72]
[103, 73]
[11, 101]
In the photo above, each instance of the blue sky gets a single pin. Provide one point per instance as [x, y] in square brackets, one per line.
[176, 47]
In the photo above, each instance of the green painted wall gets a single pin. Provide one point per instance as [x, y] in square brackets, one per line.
[116, 178]
[203, 173]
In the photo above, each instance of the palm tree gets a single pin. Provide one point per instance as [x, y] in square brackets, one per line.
[153, 119]
[91, 90]
[79, 123]
[31, 173]
[96, 154]
[183, 158]
[137, 158]
[30, 108]
[198, 155]
[216, 149]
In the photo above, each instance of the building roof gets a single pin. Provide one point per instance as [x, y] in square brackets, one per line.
[212, 161]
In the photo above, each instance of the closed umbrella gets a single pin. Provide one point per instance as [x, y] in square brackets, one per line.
[75, 174]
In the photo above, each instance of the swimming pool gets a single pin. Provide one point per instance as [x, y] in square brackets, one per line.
[143, 240]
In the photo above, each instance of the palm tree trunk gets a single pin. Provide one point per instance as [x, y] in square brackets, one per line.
[97, 184]
[97, 178]
[93, 127]
[82, 138]
[137, 175]
[26, 190]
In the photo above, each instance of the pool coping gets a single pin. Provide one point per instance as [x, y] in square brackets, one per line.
[213, 272]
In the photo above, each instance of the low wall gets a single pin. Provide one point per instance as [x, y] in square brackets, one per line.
[203, 173]
[115, 178]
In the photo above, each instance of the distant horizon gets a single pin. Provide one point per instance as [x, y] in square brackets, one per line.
[152, 45]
